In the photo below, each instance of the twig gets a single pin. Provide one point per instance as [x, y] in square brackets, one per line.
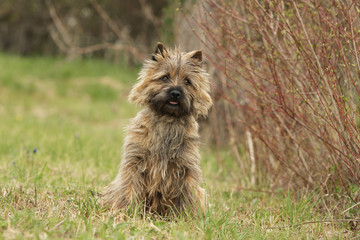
[256, 190]
[113, 26]
[148, 13]
[319, 221]
[350, 208]
[59, 25]
[252, 158]
[57, 225]
[63, 40]
[159, 230]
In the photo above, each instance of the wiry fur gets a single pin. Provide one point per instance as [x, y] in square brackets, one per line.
[160, 166]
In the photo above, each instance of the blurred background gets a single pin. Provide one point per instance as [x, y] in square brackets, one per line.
[285, 81]
[109, 29]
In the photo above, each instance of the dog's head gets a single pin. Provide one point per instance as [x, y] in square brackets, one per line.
[173, 83]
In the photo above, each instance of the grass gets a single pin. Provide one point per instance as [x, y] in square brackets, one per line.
[61, 131]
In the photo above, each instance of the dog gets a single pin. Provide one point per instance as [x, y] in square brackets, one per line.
[160, 167]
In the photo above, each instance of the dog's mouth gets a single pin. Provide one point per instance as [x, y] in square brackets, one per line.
[173, 103]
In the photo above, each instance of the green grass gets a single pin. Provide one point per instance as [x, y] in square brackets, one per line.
[61, 130]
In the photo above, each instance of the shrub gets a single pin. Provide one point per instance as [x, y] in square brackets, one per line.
[129, 28]
[289, 76]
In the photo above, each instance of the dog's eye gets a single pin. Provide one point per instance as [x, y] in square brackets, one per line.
[164, 78]
[187, 81]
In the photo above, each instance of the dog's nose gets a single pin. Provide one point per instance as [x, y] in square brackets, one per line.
[175, 94]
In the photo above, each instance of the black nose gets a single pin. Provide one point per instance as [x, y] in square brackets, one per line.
[175, 94]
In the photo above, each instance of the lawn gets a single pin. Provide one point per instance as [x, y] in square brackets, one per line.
[61, 133]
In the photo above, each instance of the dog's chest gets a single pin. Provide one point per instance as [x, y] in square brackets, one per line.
[164, 163]
[167, 141]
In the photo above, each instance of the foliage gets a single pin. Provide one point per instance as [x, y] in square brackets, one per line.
[289, 75]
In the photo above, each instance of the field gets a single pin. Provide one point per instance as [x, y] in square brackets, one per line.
[61, 130]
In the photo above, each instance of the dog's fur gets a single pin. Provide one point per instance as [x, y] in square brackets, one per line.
[160, 166]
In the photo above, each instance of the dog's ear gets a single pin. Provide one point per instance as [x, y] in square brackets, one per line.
[196, 55]
[160, 49]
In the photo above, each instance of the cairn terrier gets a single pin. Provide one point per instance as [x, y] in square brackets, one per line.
[160, 168]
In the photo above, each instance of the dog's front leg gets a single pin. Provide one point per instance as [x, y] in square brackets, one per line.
[128, 187]
[194, 194]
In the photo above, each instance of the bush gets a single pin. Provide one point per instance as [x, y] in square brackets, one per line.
[289, 76]
[81, 27]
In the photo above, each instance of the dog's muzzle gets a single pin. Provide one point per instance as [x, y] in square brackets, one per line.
[175, 95]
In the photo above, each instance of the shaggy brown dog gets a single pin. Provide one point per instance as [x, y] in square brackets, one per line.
[160, 166]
